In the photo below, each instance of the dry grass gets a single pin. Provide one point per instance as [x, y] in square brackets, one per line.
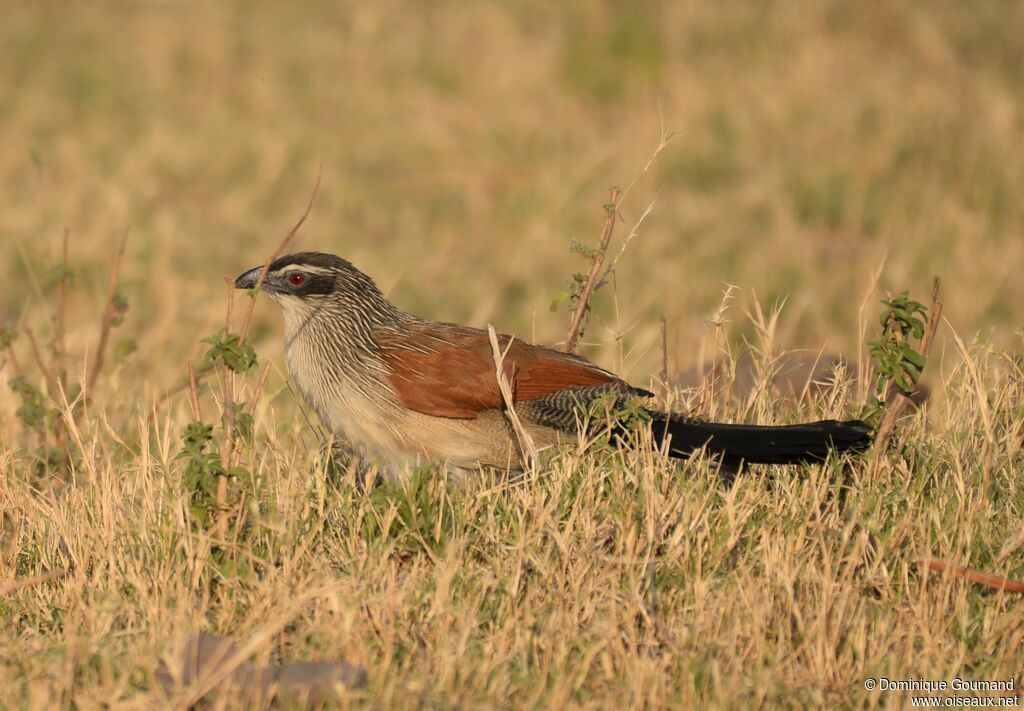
[462, 147]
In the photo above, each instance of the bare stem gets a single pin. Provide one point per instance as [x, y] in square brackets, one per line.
[62, 308]
[51, 386]
[663, 375]
[60, 356]
[259, 388]
[244, 333]
[612, 210]
[975, 576]
[193, 386]
[228, 423]
[107, 322]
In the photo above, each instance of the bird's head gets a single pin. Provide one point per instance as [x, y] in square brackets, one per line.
[307, 282]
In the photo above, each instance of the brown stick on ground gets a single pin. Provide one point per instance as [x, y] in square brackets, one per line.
[595, 269]
[896, 401]
[975, 576]
[206, 656]
[107, 322]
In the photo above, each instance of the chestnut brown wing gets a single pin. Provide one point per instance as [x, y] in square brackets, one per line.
[448, 371]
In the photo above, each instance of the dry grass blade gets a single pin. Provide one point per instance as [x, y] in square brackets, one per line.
[107, 320]
[612, 210]
[527, 448]
[978, 385]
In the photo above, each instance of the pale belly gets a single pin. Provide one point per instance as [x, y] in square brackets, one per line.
[398, 438]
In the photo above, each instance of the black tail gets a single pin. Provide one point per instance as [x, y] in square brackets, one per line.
[759, 444]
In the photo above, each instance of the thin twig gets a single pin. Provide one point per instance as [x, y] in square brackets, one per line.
[896, 400]
[197, 412]
[228, 423]
[107, 322]
[526, 446]
[664, 138]
[184, 384]
[998, 582]
[51, 386]
[62, 308]
[612, 210]
[244, 333]
[259, 388]
[663, 375]
[633, 232]
[60, 357]
[205, 370]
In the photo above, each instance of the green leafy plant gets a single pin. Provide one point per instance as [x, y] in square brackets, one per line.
[32, 411]
[582, 286]
[413, 515]
[8, 335]
[202, 467]
[214, 478]
[897, 361]
[229, 349]
[578, 281]
[118, 308]
[215, 474]
[41, 405]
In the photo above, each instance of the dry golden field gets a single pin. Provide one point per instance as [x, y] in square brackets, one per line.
[822, 155]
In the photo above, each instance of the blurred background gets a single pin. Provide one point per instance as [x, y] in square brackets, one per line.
[464, 146]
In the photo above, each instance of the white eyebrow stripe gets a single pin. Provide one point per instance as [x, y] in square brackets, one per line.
[302, 267]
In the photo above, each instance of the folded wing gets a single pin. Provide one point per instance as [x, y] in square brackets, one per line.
[448, 371]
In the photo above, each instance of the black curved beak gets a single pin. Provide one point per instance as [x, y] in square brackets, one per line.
[248, 279]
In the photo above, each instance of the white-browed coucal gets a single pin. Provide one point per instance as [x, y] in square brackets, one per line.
[401, 388]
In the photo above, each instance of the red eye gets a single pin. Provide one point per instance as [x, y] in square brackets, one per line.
[296, 280]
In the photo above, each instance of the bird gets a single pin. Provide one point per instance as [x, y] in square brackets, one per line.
[400, 389]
